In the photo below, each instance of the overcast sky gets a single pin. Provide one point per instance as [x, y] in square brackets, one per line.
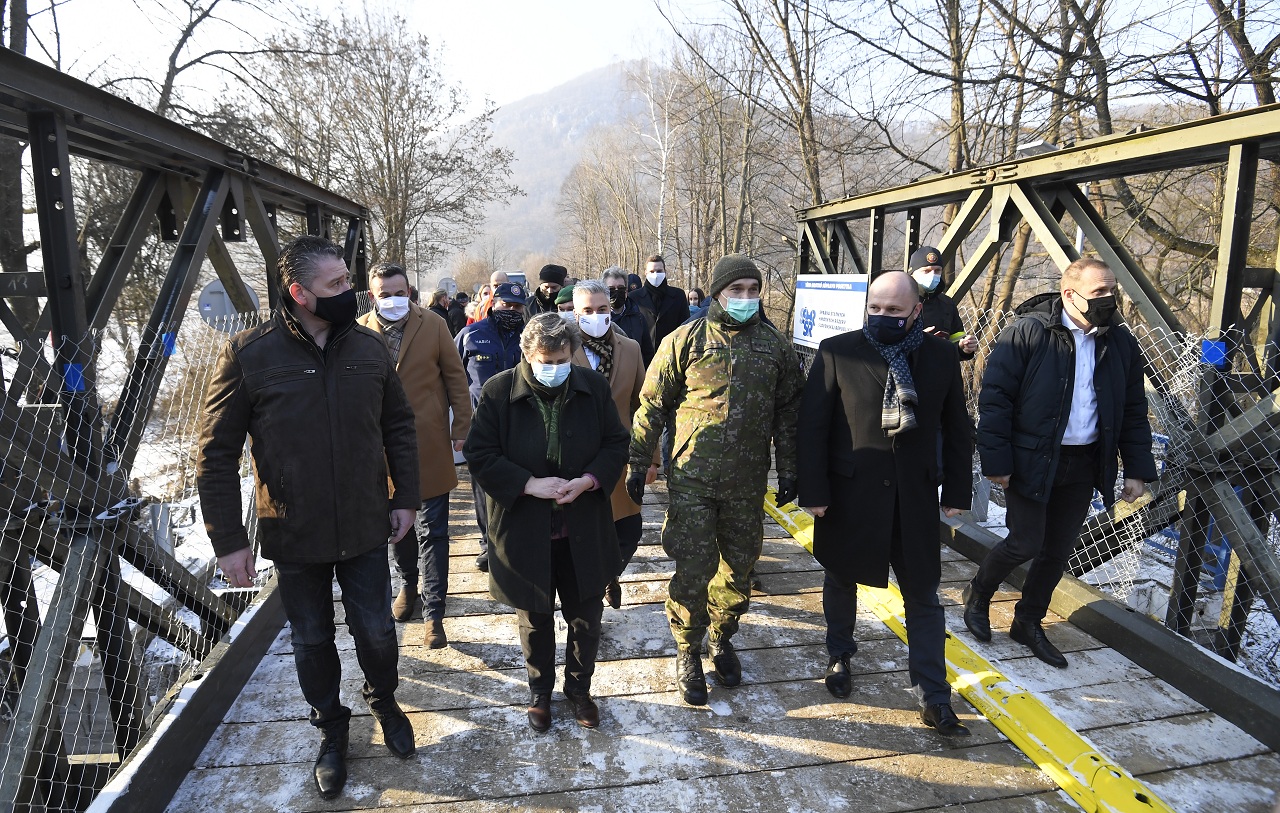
[500, 49]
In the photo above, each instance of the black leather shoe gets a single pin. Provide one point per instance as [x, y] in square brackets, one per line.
[585, 710]
[613, 594]
[839, 677]
[725, 659]
[1030, 634]
[403, 608]
[331, 765]
[977, 613]
[482, 563]
[943, 719]
[693, 683]
[397, 731]
[540, 712]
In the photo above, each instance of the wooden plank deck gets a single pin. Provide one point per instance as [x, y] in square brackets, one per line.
[779, 742]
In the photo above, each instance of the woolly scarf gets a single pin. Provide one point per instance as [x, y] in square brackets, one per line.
[602, 347]
[897, 413]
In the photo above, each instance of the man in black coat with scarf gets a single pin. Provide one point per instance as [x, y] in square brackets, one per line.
[1062, 394]
[875, 405]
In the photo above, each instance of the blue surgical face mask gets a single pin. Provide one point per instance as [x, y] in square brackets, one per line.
[741, 309]
[927, 280]
[550, 375]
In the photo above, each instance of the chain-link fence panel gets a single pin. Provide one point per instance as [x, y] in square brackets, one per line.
[108, 584]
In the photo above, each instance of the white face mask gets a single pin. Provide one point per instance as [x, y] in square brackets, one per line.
[393, 308]
[595, 325]
[928, 280]
[550, 375]
[655, 278]
[568, 316]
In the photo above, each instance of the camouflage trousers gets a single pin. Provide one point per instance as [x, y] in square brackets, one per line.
[715, 543]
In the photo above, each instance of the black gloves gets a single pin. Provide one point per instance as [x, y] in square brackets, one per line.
[787, 491]
[635, 486]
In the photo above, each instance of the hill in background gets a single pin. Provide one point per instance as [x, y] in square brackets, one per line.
[547, 133]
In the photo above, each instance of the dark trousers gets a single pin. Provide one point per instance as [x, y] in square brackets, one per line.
[926, 623]
[538, 631]
[482, 516]
[1044, 533]
[629, 530]
[306, 590]
[424, 554]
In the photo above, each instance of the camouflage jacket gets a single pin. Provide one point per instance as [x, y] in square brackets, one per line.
[732, 387]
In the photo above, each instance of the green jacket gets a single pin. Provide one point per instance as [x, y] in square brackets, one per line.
[733, 387]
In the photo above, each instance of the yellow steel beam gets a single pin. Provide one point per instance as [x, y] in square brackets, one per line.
[1088, 776]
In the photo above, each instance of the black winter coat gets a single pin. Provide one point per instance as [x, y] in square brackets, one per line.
[1026, 399]
[507, 445]
[326, 429]
[668, 308]
[941, 314]
[634, 324]
[848, 464]
[457, 317]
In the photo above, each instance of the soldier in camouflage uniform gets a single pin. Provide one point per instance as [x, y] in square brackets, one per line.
[733, 384]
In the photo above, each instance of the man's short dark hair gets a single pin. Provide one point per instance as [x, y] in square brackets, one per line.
[655, 258]
[385, 271]
[298, 258]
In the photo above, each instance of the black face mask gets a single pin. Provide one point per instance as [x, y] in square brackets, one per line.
[508, 320]
[887, 329]
[617, 298]
[1099, 310]
[338, 310]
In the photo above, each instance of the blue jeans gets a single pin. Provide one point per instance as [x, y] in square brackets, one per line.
[306, 590]
[425, 553]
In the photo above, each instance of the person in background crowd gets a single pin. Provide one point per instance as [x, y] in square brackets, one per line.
[327, 421]
[733, 385]
[458, 313]
[439, 304]
[618, 359]
[413, 295]
[668, 306]
[487, 348]
[564, 304]
[875, 405]
[695, 299]
[547, 447]
[486, 303]
[626, 313]
[550, 281]
[940, 316]
[1061, 396]
[431, 373]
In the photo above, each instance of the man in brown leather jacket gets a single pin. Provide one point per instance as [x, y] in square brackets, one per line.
[328, 421]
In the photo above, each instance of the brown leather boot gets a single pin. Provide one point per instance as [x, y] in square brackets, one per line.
[406, 603]
[436, 639]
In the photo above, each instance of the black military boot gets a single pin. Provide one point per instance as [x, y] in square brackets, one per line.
[331, 765]
[725, 659]
[977, 612]
[693, 684]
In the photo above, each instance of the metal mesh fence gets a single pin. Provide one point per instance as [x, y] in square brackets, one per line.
[1200, 551]
[108, 583]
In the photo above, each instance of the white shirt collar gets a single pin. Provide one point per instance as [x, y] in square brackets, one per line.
[1066, 322]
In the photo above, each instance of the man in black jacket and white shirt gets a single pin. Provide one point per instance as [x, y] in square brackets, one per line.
[1062, 394]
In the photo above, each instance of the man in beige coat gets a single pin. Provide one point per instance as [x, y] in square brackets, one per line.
[431, 372]
[618, 358]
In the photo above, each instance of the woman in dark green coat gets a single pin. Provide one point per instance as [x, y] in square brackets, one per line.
[546, 446]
